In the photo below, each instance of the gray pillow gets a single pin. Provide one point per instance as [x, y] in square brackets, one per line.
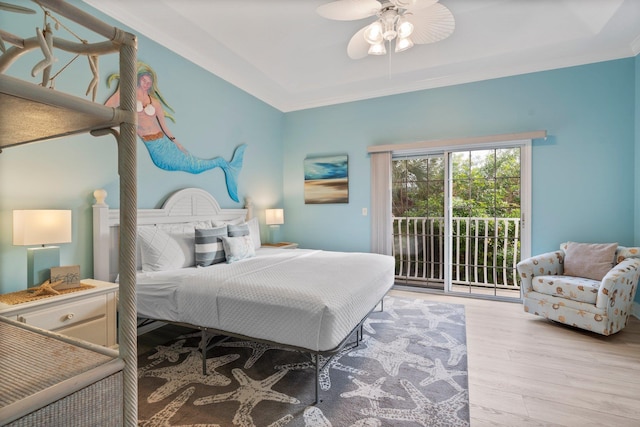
[209, 249]
[589, 260]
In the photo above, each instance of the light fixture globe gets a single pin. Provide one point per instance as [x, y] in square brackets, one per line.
[373, 33]
[405, 28]
[403, 44]
[377, 49]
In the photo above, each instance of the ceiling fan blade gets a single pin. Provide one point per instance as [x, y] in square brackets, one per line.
[414, 4]
[431, 24]
[358, 47]
[349, 10]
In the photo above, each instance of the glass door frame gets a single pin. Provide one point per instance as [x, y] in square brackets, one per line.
[525, 198]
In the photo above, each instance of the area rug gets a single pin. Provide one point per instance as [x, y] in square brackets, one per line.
[410, 369]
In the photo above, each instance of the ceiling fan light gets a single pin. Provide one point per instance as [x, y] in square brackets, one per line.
[405, 28]
[373, 33]
[403, 43]
[390, 32]
[377, 49]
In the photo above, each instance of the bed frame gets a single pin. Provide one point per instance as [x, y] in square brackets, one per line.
[31, 113]
[187, 205]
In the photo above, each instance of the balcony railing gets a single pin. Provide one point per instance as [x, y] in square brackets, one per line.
[485, 251]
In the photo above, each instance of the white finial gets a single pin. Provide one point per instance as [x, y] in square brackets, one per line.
[100, 196]
[248, 204]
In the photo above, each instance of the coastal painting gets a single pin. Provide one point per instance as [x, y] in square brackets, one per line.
[326, 179]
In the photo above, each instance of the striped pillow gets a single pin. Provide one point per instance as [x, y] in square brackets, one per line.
[209, 249]
[238, 230]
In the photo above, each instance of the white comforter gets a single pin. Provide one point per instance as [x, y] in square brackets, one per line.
[304, 298]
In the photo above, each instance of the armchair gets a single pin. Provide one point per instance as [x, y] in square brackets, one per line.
[600, 303]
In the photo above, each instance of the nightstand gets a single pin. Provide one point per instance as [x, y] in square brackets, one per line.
[281, 245]
[88, 314]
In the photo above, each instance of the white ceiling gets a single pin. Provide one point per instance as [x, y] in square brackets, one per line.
[284, 53]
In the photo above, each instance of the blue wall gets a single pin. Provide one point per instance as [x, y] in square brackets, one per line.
[212, 119]
[583, 174]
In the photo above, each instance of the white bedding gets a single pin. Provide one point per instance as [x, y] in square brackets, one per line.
[304, 298]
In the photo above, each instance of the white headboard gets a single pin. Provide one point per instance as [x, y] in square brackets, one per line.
[189, 204]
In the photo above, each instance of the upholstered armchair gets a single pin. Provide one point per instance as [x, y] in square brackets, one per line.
[589, 286]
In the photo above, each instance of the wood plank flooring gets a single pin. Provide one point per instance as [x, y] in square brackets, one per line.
[528, 371]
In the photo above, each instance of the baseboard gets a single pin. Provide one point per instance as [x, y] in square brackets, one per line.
[635, 309]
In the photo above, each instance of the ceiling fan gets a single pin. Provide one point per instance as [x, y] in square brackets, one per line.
[406, 21]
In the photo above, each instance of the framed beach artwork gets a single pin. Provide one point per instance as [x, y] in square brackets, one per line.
[326, 179]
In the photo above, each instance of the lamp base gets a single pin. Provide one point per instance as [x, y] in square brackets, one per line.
[274, 233]
[39, 263]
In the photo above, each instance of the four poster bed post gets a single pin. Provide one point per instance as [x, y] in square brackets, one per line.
[62, 114]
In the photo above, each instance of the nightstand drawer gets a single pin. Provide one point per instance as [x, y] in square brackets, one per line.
[65, 315]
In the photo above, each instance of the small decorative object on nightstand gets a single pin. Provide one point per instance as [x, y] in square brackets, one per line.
[281, 245]
[87, 312]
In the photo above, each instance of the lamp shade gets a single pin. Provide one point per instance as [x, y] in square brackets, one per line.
[274, 216]
[41, 227]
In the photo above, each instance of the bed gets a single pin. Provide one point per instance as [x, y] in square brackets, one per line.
[305, 299]
[33, 113]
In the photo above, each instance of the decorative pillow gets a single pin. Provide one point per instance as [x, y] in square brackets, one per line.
[208, 245]
[623, 253]
[237, 248]
[238, 230]
[254, 232]
[590, 260]
[233, 221]
[158, 250]
[184, 235]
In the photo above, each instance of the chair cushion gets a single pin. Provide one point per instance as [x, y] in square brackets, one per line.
[590, 260]
[573, 288]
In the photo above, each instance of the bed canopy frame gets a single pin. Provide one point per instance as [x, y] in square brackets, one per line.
[31, 112]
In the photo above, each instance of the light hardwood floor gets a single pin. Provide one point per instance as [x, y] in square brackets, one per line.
[528, 371]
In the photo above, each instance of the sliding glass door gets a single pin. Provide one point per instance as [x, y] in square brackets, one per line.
[418, 185]
[457, 218]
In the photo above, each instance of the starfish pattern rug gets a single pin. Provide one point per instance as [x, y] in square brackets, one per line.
[409, 369]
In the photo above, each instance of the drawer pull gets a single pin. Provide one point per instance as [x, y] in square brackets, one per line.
[68, 316]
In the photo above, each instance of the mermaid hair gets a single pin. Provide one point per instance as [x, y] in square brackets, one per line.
[145, 69]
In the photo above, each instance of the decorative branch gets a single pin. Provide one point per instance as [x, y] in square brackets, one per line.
[45, 40]
[93, 85]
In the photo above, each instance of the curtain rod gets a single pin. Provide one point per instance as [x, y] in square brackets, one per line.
[458, 141]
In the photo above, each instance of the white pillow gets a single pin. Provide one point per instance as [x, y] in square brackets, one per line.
[159, 251]
[238, 248]
[185, 236]
[254, 232]
[251, 228]
[233, 221]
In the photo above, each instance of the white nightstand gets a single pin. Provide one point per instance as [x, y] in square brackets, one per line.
[89, 314]
[281, 245]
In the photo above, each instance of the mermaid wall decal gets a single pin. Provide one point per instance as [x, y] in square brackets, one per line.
[165, 150]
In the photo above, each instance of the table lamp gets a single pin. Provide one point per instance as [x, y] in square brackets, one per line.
[274, 218]
[41, 227]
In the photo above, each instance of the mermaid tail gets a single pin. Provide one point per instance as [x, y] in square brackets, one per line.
[166, 155]
[232, 170]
